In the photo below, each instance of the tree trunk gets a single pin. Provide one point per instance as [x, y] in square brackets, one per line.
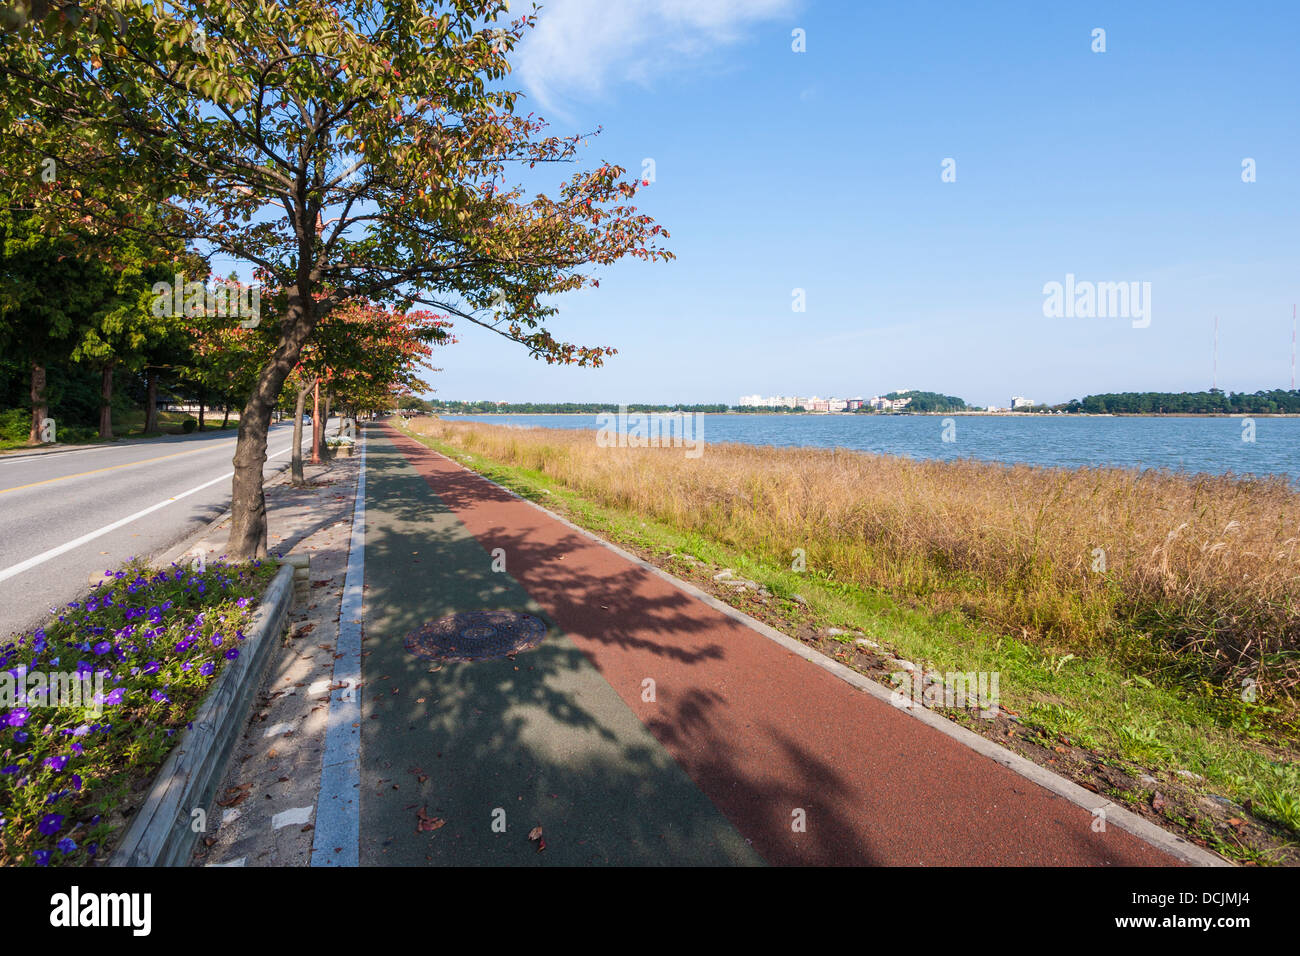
[247, 539]
[295, 457]
[324, 421]
[225, 421]
[151, 402]
[39, 409]
[106, 403]
[202, 406]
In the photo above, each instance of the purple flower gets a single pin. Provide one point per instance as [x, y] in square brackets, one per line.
[12, 768]
[66, 845]
[207, 669]
[56, 763]
[216, 640]
[51, 823]
[158, 696]
[103, 647]
[76, 782]
[152, 667]
[20, 736]
[42, 857]
[231, 654]
[18, 716]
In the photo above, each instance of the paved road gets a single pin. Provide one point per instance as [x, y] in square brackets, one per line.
[741, 739]
[54, 506]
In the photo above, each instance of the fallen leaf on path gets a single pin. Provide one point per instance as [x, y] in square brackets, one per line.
[425, 823]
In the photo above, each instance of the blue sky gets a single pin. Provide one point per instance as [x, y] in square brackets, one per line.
[820, 170]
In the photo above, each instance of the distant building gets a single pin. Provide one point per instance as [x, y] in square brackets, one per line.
[854, 404]
[881, 404]
[1019, 401]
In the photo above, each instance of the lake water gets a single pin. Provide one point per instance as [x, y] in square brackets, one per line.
[1213, 445]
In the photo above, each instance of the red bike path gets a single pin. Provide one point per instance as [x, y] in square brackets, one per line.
[765, 734]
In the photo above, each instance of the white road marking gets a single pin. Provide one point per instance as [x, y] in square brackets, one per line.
[85, 538]
[110, 446]
[285, 818]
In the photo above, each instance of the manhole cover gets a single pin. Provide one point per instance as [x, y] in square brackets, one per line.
[476, 636]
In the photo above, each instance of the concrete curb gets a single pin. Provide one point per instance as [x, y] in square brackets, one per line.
[161, 833]
[1176, 846]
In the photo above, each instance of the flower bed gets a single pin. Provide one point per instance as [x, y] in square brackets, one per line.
[141, 652]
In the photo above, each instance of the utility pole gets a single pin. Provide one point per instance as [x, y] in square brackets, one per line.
[1214, 378]
[316, 426]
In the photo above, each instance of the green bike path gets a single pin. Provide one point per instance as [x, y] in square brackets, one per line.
[540, 740]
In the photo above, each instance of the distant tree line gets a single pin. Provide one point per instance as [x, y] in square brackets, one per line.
[1215, 401]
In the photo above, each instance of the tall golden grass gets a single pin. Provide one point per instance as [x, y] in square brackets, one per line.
[1200, 571]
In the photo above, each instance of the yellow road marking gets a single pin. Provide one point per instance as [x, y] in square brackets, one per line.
[129, 464]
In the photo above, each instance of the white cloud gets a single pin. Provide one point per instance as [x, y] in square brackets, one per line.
[581, 47]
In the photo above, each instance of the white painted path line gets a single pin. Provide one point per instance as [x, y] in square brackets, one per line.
[40, 559]
[338, 824]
